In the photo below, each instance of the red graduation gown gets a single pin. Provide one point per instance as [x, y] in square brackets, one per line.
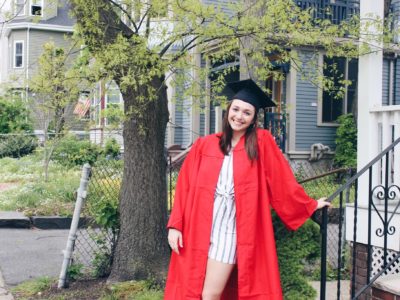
[267, 182]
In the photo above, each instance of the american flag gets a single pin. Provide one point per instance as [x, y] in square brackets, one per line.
[82, 107]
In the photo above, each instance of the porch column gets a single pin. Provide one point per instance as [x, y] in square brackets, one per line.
[369, 93]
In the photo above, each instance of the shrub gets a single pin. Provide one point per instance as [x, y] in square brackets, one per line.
[74, 271]
[346, 142]
[294, 249]
[112, 148]
[72, 151]
[14, 116]
[17, 145]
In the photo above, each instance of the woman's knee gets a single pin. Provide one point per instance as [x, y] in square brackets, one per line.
[210, 295]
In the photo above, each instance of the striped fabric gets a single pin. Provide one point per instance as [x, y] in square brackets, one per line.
[223, 232]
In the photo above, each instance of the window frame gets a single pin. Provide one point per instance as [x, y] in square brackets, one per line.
[18, 12]
[112, 87]
[31, 4]
[320, 94]
[15, 54]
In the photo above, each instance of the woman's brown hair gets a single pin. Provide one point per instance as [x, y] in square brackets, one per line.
[250, 144]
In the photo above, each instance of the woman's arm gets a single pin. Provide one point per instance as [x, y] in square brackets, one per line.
[286, 196]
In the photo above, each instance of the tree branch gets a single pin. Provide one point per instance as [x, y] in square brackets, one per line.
[127, 14]
[144, 17]
[181, 36]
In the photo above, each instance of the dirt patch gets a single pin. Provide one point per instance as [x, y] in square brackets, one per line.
[82, 290]
[7, 185]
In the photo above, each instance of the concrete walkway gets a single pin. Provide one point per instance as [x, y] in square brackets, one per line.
[331, 289]
[27, 254]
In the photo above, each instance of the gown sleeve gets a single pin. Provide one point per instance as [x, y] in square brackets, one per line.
[287, 197]
[182, 187]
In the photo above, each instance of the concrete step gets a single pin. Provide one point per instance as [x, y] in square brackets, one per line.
[389, 284]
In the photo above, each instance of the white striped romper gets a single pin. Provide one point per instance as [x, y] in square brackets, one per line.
[223, 231]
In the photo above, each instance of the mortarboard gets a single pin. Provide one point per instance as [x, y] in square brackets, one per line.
[248, 91]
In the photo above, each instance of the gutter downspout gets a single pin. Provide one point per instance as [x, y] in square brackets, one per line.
[27, 64]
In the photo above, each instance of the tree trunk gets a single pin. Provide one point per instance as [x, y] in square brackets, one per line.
[142, 251]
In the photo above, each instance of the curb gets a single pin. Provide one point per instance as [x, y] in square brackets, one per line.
[18, 220]
[4, 294]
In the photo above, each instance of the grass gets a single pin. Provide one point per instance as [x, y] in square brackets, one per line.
[31, 194]
[46, 288]
[138, 290]
[33, 288]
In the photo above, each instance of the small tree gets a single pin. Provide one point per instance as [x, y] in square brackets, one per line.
[55, 86]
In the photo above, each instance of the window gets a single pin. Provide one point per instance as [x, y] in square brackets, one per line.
[18, 54]
[332, 106]
[19, 7]
[114, 109]
[36, 7]
[113, 96]
[18, 94]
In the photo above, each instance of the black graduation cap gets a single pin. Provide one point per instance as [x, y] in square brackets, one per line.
[248, 91]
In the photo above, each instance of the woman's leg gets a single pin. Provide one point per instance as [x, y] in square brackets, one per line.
[217, 275]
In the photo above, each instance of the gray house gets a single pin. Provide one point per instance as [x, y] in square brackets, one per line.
[304, 121]
[33, 24]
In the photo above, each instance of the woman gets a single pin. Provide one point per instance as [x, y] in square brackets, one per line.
[220, 228]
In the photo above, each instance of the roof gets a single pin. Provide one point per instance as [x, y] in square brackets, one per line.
[63, 17]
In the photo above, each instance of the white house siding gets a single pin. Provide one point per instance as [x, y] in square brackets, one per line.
[307, 130]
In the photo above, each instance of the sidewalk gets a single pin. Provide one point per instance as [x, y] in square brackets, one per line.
[26, 254]
[4, 294]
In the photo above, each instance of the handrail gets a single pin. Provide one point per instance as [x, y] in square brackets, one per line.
[362, 171]
[340, 170]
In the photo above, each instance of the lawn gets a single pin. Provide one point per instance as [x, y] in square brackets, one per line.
[25, 190]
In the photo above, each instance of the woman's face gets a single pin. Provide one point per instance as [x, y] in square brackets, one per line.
[240, 116]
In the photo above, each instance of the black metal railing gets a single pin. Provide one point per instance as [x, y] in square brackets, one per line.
[336, 11]
[377, 183]
[276, 124]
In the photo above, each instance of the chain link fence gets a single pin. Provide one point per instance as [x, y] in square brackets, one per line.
[322, 180]
[96, 237]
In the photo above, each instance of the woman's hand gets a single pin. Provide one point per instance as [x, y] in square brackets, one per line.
[175, 240]
[322, 203]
